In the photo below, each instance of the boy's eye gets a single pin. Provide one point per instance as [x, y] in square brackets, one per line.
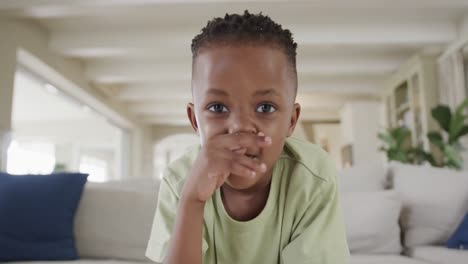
[266, 108]
[217, 108]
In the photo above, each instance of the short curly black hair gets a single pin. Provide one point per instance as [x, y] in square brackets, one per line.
[247, 28]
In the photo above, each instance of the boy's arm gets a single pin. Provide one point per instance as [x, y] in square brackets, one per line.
[186, 241]
[173, 219]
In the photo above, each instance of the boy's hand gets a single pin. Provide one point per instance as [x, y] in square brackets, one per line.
[220, 157]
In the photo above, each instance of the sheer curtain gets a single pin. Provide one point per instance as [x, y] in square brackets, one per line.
[452, 89]
[452, 86]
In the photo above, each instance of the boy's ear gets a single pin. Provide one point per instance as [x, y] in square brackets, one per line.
[294, 117]
[191, 116]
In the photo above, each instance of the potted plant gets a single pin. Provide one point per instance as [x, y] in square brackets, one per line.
[453, 127]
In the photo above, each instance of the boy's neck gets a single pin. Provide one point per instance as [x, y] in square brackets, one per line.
[245, 205]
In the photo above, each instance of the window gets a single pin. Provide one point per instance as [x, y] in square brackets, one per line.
[30, 158]
[95, 167]
[62, 130]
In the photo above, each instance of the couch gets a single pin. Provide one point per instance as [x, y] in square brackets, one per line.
[403, 213]
[396, 215]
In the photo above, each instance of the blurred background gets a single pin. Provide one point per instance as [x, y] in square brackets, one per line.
[101, 87]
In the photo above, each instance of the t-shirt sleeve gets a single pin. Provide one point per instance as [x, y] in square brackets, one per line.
[163, 222]
[319, 236]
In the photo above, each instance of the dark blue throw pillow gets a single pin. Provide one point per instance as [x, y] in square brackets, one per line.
[459, 239]
[37, 216]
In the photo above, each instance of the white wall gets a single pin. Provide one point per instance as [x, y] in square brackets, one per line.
[7, 73]
[331, 133]
[463, 27]
[360, 126]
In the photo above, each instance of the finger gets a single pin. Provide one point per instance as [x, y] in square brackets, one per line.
[244, 140]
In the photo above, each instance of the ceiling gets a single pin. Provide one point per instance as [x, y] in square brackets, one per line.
[137, 52]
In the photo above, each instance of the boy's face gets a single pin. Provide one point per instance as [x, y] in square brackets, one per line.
[244, 89]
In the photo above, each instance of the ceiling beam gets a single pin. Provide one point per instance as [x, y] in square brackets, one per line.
[397, 33]
[172, 108]
[60, 8]
[109, 71]
[154, 92]
[163, 120]
[179, 71]
[180, 90]
[344, 85]
[156, 41]
[122, 42]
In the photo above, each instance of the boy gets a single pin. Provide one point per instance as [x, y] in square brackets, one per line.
[248, 193]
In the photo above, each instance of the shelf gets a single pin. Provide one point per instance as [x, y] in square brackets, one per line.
[403, 108]
[411, 94]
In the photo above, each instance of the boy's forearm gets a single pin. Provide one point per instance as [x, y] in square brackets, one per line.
[186, 241]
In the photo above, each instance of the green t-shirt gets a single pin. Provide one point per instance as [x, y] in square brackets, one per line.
[301, 222]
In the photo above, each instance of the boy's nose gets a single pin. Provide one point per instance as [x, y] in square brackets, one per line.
[241, 123]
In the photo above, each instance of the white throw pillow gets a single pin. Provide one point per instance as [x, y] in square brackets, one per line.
[366, 178]
[371, 220]
[114, 220]
[434, 202]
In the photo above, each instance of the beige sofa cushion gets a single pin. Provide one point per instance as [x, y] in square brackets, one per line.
[383, 259]
[114, 220]
[366, 178]
[371, 220]
[440, 255]
[434, 202]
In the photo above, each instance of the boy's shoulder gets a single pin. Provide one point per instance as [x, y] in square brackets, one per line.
[311, 172]
[314, 160]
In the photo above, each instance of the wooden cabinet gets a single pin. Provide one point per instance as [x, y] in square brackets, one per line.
[410, 95]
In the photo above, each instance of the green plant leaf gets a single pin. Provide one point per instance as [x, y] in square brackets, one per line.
[454, 158]
[442, 115]
[386, 138]
[401, 135]
[463, 132]
[456, 125]
[430, 158]
[458, 122]
[417, 155]
[461, 108]
[401, 156]
[395, 146]
[436, 139]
